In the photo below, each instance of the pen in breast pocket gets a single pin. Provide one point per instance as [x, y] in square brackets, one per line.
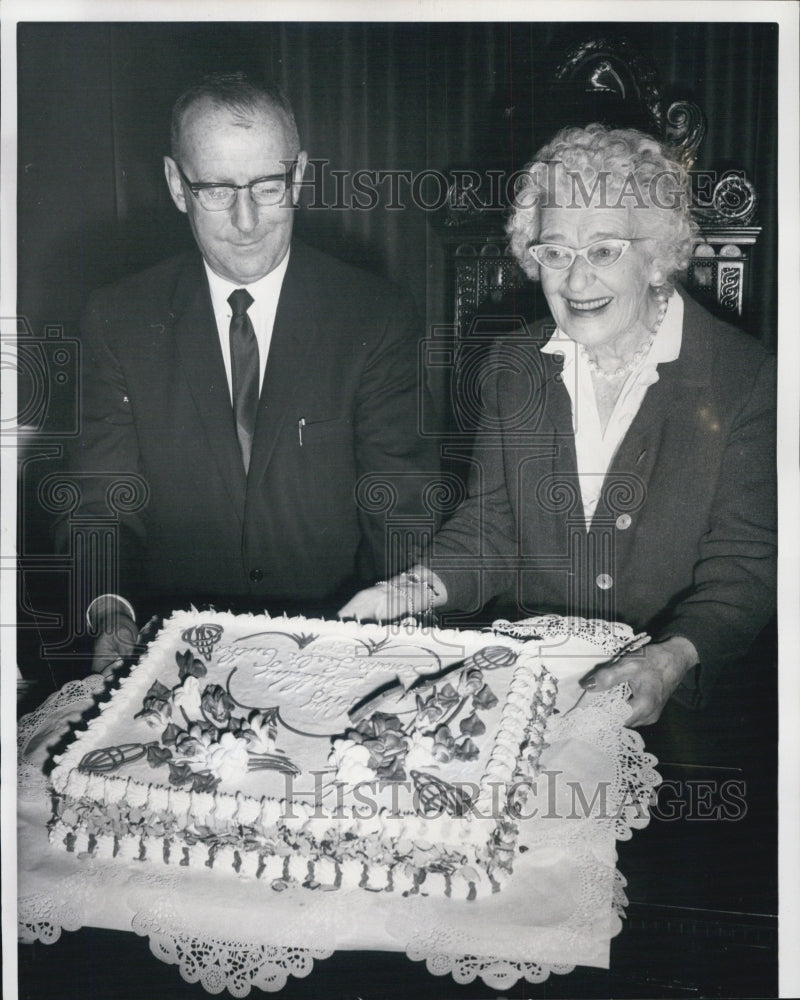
[300, 425]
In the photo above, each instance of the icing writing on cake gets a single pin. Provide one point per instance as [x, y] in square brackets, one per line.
[316, 671]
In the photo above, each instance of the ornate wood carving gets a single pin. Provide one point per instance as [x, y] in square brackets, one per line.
[473, 229]
[612, 65]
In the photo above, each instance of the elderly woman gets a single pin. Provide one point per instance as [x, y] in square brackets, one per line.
[625, 465]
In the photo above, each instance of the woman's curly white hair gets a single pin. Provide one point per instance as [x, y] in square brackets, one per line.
[601, 167]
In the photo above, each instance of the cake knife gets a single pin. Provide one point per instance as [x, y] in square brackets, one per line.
[640, 640]
[390, 692]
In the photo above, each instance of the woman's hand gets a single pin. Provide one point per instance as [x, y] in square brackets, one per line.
[653, 673]
[380, 603]
[416, 592]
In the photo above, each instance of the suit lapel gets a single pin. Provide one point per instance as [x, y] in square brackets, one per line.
[557, 413]
[678, 384]
[542, 446]
[195, 331]
[292, 337]
[673, 397]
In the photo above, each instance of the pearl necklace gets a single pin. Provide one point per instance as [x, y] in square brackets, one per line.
[629, 366]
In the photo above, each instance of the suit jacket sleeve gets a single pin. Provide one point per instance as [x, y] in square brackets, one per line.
[733, 596]
[476, 550]
[104, 466]
[397, 462]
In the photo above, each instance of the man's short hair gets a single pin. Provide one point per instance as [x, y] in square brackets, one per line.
[237, 93]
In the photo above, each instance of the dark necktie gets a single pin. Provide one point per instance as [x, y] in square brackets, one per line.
[244, 370]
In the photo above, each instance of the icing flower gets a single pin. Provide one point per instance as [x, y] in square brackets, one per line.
[226, 760]
[465, 749]
[195, 741]
[216, 704]
[384, 751]
[157, 707]
[189, 666]
[170, 734]
[448, 696]
[484, 698]
[437, 704]
[205, 728]
[386, 755]
[383, 737]
[470, 681]
[186, 697]
[179, 774]
[238, 726]
[472, 726]
[377, 724]
[261, 733]
[420, 751]
[443, 745]
[351, 761]
[204, 781]
[157, 755]
[429, 709]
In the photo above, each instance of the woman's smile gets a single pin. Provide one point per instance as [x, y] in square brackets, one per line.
[590, 305]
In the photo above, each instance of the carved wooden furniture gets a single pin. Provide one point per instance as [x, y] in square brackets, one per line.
[484, 275]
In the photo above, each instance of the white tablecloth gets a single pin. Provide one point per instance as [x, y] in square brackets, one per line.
[560, 910]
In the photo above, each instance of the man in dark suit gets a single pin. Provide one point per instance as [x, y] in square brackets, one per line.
[261, 397]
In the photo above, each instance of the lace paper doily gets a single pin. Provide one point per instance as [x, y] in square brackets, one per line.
[607, 636]
[219, 964]
[497, 974]
[68, 906]
[50, 721]
[467, 948]
[202, 922]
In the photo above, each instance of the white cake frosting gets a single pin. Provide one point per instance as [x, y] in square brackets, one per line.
[251, 760]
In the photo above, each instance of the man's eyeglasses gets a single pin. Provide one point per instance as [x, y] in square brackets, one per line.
[601, 253]
[265, 191]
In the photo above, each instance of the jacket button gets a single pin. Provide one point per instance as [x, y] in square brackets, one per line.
[624, 521]
[256, 575]
[604, 581]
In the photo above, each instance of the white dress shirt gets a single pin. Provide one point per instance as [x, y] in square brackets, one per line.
[266, 292]
[595, 448]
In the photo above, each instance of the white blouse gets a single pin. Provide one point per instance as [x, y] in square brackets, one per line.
[595, 449]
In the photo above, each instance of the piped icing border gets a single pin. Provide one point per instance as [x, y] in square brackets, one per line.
[489, 840]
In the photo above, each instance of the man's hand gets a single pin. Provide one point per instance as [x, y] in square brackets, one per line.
[415, 592]
[653, 673]
[117, 635]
